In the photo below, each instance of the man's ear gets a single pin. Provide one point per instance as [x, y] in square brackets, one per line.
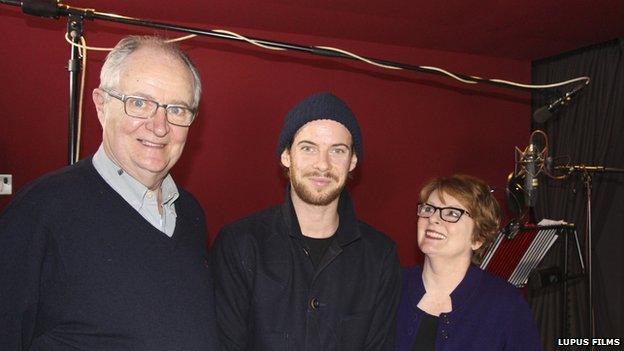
[99, 100]
[354, 160]
[285, 158]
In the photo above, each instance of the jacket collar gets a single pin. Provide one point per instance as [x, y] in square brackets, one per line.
[348, 230]
[467, 286]
[459, 296]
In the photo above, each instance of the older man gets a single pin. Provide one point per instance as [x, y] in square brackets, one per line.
[109, 254]
[308, 275]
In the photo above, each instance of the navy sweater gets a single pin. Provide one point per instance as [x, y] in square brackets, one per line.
[488, 314]
[80, 269]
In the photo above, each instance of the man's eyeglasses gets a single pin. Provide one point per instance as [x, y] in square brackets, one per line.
[448, 214]
[139, 107]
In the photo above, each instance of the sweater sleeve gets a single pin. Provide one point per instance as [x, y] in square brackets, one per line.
[23, 250]
[233, 288]
[521, 332]
[383, 324]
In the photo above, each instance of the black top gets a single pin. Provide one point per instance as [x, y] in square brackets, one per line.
[426, 336]
[316, 248]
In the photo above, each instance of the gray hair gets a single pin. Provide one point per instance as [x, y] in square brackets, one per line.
[109, 76]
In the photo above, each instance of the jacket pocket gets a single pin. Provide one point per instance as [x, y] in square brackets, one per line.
[353, 329]
[273, 341]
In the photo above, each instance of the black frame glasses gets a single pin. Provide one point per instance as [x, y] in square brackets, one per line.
[447, 214]
[178, 115]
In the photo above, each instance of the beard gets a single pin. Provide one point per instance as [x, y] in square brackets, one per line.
[321, 197]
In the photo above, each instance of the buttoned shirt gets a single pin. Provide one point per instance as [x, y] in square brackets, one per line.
[142, 199]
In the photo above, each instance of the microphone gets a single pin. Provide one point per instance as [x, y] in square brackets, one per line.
[529, 164]
[544, 113]
[532, 166]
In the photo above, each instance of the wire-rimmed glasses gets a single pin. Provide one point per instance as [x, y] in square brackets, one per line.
[140, 107]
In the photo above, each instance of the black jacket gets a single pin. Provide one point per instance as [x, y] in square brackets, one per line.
[270, 296]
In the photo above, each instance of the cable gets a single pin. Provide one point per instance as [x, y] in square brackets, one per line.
[84, 46]
[543, 86]
[451, 74]
[234, 35]
[250, 41]
[94, 48]
[83, 53]
[431, 68]
[181, 38]
[357, 57]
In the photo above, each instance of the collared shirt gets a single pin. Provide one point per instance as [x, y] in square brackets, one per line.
[142, 199]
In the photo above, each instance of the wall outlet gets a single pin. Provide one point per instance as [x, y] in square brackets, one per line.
[6, 184]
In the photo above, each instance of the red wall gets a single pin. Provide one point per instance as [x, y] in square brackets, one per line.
[415, 126]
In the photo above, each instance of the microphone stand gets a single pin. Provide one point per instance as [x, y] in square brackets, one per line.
[586, 173]
[74, 32]
[76, 16]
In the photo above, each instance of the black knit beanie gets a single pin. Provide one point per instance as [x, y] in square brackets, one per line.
[320, 106]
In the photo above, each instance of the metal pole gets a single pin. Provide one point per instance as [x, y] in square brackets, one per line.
[74, 31]
[564, 294]
[54, 10]
[588, 254]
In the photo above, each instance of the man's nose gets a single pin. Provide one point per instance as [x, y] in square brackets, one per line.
[158, 123]
[322, 161]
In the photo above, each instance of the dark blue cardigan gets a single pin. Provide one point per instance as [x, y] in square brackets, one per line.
[488, 314]
[80, 269]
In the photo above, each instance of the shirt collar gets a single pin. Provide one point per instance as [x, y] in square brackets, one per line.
[128, 187]
[169, 191]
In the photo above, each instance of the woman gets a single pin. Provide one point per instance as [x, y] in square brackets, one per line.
[448, 303]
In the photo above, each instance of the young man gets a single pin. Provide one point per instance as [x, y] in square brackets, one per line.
[308, 275]
[109, 254]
